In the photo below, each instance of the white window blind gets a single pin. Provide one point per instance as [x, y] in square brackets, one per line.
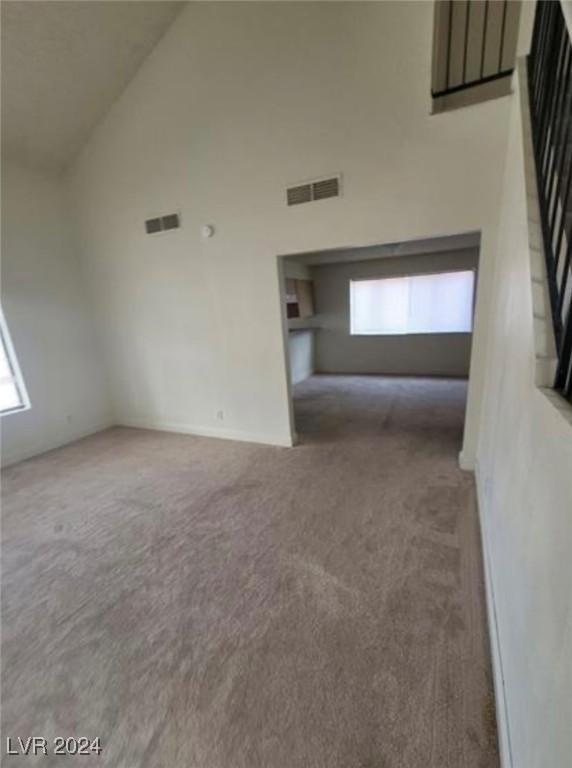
[439, 303]
[12, 392]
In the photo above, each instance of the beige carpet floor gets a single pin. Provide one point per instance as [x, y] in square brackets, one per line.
[212, 604]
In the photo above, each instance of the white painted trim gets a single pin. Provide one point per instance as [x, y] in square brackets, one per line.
[160, 426]
[466, 463]
[284, 441]
[503, 722]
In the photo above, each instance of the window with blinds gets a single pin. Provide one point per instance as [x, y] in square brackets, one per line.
[437, 303]
[13, 395]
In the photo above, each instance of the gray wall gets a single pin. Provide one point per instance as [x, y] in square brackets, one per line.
[336, 351]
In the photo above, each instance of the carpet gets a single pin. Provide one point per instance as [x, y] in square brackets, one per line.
[214, 604]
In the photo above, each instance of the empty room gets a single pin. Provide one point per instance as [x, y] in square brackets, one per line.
[369, 326]
[286, 384]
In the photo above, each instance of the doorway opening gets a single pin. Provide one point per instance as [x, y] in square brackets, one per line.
[369, 327]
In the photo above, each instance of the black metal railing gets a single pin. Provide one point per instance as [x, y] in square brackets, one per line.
[550, 95]
[477, 43]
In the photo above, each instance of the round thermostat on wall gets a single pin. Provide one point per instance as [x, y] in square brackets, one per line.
[207, 231]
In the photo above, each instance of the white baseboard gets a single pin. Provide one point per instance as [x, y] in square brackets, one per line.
[226, 434]
[17, 456]
[222, 433]
[503, 725]
[466, 463]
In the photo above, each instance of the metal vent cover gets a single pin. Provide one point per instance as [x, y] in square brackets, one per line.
[171, 221]
[162, 223]
[301, 194]
[153, 225]
[326, 188]
[313, 190]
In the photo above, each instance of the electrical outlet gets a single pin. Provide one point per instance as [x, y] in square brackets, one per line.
[220, 415]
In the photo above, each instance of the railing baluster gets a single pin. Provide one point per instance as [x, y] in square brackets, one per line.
[535, 33]
[503, 26]
[552, 172]
[534, 56]
[562, 230]
[565, 275]
[562, 222]
[556, 82]
[561, 143]
[467, 22]
[449, 36]
[484, 37]
[563, 373]
[545, 85]
[543, 31]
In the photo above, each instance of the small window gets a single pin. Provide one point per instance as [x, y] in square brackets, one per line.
[438, 303]
[13, 395]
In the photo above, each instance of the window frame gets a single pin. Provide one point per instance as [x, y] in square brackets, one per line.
[14, 367]
[400, 275]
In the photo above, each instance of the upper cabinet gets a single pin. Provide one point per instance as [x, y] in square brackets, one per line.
[299, 298]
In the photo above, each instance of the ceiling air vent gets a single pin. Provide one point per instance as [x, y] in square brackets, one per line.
[162, 223]
[313, 190]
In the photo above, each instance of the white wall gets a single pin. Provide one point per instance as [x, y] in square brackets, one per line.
[237, 101]
[301, 351]
[46, 310]
[337, 351]
[525, 492]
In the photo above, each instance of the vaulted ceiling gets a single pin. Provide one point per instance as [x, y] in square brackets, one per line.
[64, 64]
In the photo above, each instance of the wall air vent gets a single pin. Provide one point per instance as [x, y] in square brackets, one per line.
[301, 194]
[313, 190]
[326, 188]
[162, 223]
[152, 226]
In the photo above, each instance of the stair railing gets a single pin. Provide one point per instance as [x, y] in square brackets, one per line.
[550, 95]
